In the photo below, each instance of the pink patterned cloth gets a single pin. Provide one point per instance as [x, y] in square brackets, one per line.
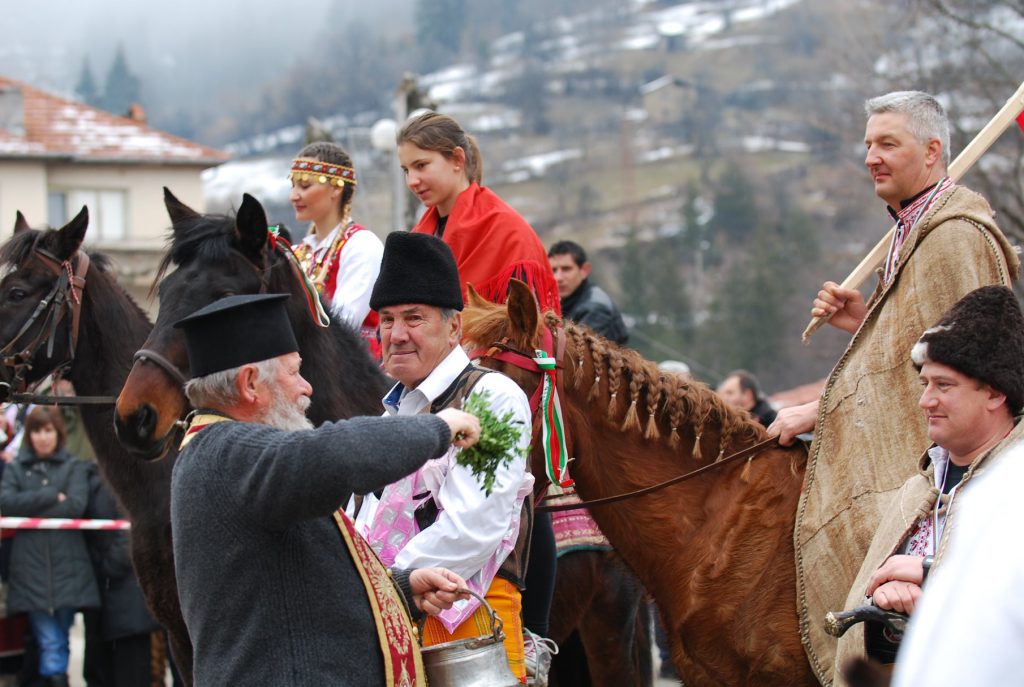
[574, 529]
[395, 524]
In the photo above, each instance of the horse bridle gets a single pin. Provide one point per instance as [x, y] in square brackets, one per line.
[502, 350]
[65, 297]
[553, 342]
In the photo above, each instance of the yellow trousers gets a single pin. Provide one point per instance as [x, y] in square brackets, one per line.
[505, 599]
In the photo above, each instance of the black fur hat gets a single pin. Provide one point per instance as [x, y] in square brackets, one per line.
[982, 336]
[417, 268]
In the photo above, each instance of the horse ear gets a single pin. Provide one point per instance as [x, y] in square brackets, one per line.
[20, 223]
[251, 228]
[474, 300]
[522, 308]
[178, 211]
[71, 235]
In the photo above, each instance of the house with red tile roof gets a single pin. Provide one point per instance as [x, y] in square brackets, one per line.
[57, 155]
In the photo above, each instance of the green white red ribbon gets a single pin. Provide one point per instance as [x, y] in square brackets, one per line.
[556, 456]
[316, 308]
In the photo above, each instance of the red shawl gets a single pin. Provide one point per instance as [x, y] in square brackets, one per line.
[493, 244]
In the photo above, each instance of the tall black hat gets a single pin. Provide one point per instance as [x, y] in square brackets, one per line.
[982, 336]
[237, 330]
[417, 268]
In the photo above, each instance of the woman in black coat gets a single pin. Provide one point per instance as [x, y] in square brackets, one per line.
[51, 573]
[122, 644]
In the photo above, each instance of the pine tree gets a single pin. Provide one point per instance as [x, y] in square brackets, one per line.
[735, 204]
[122, 88]
[439, 28]
[86, 90]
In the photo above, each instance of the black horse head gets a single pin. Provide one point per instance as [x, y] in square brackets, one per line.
[213, 256]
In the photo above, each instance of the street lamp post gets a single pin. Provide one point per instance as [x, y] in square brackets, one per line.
[382, 137]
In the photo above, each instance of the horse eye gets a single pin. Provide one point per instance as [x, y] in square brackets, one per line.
[16, 295]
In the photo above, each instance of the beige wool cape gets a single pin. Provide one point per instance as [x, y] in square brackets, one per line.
[914, 500]
[869, 427]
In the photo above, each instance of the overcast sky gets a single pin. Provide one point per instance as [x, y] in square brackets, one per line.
[183, 49]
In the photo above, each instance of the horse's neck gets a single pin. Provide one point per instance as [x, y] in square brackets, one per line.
[111, 329]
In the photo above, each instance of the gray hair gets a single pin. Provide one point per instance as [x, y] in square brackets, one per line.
[926, 118]
[218, 389]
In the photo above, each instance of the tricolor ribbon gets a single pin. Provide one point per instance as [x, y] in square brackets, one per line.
[556, 456]
[316, 308]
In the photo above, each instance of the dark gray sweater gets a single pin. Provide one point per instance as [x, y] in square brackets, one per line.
[268, 589]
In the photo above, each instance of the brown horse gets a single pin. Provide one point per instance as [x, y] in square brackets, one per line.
[111, 327]
[716, 552]
[600, 621]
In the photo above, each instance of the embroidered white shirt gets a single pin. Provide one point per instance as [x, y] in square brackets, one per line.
[470, 525]
[357, 272]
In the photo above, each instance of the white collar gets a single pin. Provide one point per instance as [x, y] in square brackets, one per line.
[439, 379]
[319, 244]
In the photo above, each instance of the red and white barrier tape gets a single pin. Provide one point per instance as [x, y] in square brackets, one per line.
[62, 524]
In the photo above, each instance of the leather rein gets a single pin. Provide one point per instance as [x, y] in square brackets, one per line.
[502, 350]
[63, 300]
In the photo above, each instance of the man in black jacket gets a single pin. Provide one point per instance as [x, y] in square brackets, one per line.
[582, 301]
[741, 389]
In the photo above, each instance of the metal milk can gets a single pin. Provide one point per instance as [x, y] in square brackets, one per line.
[476, 662]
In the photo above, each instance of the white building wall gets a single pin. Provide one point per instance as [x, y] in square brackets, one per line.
[22, 187]
[146, 217]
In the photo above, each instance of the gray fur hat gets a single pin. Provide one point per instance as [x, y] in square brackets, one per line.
[982, 336]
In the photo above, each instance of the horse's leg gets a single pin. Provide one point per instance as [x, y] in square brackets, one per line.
[574, 589]
[152, 557]
[615, 629]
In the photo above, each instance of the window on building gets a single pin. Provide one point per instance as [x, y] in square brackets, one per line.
[108, 212]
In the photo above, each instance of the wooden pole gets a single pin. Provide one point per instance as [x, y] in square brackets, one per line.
[959, 167]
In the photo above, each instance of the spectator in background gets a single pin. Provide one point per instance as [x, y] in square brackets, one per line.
[584, 302]
[120, 647]
[51, 575]
[741, 389]
[76, 441]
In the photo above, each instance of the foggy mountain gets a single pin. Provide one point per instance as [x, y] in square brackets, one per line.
[185, 53]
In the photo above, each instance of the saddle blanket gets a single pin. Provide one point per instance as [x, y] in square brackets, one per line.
[574, 529]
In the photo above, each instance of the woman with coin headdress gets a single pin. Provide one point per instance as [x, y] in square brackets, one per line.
[340, 257]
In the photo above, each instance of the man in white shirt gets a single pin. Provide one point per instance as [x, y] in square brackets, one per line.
[442, 512]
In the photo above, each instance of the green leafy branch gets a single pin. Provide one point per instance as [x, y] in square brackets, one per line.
[499, 439]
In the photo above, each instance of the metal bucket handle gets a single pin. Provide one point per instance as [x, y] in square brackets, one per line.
[497, 626]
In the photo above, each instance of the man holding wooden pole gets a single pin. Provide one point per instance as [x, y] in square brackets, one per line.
[945, 244]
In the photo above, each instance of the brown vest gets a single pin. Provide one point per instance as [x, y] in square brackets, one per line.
[514, 567]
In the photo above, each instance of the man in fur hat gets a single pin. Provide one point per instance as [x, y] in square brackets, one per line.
[441, 515]
[971, 371]
[865, 427]
[276, 587]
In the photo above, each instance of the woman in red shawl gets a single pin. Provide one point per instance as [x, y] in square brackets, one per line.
[492, 244]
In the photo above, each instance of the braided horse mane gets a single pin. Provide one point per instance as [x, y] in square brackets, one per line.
[633, 393]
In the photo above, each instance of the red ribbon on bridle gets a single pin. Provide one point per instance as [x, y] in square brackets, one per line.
[544, 399]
